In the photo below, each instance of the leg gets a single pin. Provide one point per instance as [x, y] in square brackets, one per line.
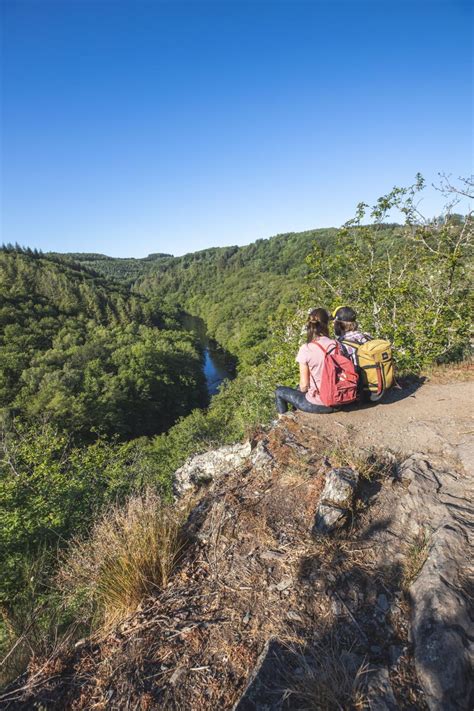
[285, 396]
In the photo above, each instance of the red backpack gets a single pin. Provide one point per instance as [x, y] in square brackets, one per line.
[339, 379]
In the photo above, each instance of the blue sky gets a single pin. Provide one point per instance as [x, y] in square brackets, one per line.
[131, 127]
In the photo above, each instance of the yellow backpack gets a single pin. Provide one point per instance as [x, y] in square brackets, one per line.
[375, 363]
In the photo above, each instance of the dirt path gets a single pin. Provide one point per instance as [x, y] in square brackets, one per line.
[434, 418]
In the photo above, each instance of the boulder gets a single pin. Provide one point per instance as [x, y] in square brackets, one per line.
[204, 468]
[337, 499]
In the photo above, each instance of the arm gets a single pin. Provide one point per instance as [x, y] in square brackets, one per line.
[304, 378]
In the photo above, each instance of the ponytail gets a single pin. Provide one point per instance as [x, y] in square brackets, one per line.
[317, 324]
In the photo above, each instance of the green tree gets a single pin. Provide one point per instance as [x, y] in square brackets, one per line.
[408, 283]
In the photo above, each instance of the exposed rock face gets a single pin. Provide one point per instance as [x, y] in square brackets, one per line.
[204, 468]
[439, 505]
[337, 499]
[430, 533]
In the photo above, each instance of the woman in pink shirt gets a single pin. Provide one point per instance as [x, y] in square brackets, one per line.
[311, 359]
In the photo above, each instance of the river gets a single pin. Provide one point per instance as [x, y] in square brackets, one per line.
[219, 365]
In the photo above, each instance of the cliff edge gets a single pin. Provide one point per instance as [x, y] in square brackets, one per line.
[327, 566]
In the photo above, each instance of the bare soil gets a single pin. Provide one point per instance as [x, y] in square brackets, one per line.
[435, 417]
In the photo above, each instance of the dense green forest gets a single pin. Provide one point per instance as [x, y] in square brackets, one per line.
[125, 269]
[87, 354]
[102, 389]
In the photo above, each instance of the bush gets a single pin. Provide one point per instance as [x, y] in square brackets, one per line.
[51, 490]
[132, 551]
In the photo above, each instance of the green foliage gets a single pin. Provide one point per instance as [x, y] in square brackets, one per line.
[409, 284]
[128, 381]
[50, 489]
[88, 354]
[237, 289]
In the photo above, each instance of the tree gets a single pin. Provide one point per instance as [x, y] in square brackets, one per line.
[408, 283]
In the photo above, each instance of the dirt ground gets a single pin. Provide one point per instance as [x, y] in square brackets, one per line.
[435, 418]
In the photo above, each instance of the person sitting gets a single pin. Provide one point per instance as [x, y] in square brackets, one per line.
[311, 360]
[372, 357]
[346, 331]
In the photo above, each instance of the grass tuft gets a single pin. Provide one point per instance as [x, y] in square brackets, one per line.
[415, 558]
[326, 680]
[132, 551]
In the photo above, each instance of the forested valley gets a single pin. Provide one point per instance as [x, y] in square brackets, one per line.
[102, 391]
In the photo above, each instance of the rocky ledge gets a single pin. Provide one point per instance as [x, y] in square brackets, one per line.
[314, 578]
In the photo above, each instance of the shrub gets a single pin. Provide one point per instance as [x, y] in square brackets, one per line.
[132, 551]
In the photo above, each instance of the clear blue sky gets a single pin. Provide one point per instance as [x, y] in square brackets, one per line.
[131, 127]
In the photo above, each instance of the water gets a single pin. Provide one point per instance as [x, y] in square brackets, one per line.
[219, 365]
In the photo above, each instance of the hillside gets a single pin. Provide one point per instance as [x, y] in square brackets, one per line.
[322, 570]
[88, 353]
[236, 290]
[243, 294]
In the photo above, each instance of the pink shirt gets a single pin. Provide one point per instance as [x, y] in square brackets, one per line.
[311, 355]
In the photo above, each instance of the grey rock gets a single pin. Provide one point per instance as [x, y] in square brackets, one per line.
[435, 506]
[261, 458]
[379, 691]
[284, 584]
[204, 468]
[337, 499]
[340, 487]
[382, 603]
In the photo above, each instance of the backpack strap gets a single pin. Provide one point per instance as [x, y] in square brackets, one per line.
[324, 350]
[352, 344]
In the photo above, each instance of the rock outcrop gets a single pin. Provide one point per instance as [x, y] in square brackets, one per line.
[262, 614]
[435, 515]
[337, 499]
[204, 468]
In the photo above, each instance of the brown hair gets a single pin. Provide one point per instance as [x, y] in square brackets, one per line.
[342, 327]
[317, 324]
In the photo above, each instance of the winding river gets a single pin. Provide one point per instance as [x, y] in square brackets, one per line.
[219, 365]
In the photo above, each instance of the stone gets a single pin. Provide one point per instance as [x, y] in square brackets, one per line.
[380, 695]
[261, 458]
[337, 499]
[382, 603]
[204, 468]
[284, 584]
[436, 506]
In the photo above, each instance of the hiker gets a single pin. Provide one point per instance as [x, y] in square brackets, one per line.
[372, 357]
[311, 357]
[347, 331]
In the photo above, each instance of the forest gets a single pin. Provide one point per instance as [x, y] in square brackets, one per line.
[102, 392]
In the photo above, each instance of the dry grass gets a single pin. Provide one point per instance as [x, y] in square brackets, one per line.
[371, 463]
[415, 558]
[326, 680]
[132, 551]
[449, 372]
